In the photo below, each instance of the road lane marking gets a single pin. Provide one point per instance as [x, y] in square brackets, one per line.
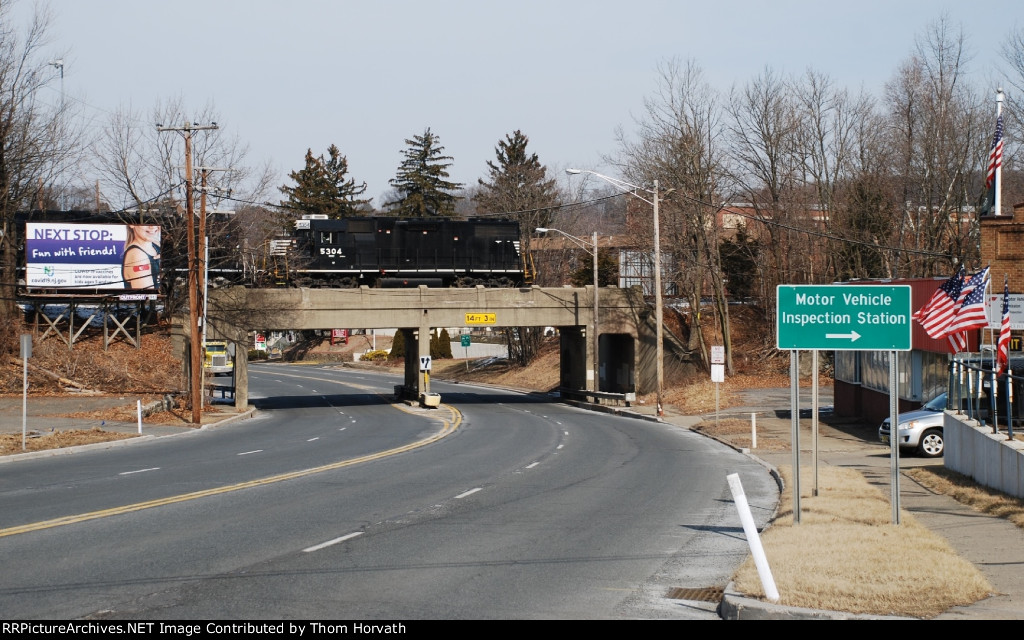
[467, 493]
[324, 545]
[128, 473]
[449, 426]
[312, 439]
[245, 453]
[530, 466]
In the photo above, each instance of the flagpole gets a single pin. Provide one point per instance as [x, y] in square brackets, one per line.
[998, 200]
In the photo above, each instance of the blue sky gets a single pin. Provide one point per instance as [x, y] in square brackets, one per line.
[365, 76]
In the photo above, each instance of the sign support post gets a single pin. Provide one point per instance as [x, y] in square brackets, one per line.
[842, 318]
[26, 353]
[794, 419]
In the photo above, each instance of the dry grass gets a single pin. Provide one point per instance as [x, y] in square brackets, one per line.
[12, 443]
[966, 491]
[738, 433]
[903, 570]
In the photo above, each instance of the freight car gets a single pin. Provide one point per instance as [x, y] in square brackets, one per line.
[406, 252]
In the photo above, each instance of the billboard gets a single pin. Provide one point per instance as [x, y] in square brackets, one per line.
[92, 256]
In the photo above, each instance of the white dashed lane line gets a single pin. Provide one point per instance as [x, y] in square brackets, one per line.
[128, 473]
[245, 453]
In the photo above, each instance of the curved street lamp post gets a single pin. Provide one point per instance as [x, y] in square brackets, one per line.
[633, 190]
[594, 339]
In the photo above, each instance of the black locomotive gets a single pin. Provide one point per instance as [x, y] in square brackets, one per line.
[406, 252]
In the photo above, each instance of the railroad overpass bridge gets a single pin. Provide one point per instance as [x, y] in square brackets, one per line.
[627, 348]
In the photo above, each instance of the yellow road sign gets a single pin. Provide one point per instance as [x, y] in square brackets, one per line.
[481, 318]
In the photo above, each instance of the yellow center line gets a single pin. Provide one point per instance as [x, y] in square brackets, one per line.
[450, 424]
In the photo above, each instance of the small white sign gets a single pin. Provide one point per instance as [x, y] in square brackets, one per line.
[718, 354]
[424, 363]
[718, 373]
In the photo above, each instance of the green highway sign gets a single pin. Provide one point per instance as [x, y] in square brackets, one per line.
[465, 340]
[843, 317]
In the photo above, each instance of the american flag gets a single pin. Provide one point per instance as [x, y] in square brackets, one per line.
[1003, 345]
[995, 158]
[936, 314]
[971, 313]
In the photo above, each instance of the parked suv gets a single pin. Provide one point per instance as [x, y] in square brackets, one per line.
[920, 430]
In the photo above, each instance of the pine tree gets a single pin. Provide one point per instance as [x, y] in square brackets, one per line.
[321, 187]
[518, 186]
[421, 182]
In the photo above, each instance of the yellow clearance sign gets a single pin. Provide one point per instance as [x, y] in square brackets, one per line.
[481, 318]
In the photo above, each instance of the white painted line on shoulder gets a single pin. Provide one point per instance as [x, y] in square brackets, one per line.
[127, 473]
[324, 545]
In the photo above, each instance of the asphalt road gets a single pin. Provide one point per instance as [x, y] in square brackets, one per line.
[335, 504]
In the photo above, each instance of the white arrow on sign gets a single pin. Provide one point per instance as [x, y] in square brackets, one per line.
[853, 335]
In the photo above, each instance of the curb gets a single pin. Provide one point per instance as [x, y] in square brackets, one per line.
[735, 605]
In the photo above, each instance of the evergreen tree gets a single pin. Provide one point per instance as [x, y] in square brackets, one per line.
[445, 344]
[607, 271]
[422, 185]
[435, 345]
[518, 186]
[322, 187]
[397, 346]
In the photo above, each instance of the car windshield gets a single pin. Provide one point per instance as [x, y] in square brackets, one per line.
[936, 404]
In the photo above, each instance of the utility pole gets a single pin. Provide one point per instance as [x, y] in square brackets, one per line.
[204, 256]
[195, 355]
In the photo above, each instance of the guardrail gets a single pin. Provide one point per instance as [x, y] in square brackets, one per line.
[625, 398]
[976, 388]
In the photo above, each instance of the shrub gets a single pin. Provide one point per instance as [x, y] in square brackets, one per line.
[378, 355]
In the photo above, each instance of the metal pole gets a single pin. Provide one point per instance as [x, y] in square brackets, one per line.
[1009, 403]
[657, 301]
[894, 437]
[814, 417]
[597, 339]
[794, 401]
[24, 397]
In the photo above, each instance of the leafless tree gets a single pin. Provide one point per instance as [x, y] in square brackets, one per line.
[937, 133]
[678, 144]
[767, 165]
[142, 171]
[840, 142]
[1012, 52]
[37, 139]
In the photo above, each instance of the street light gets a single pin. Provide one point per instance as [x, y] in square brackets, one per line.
[632, 190]
[595, 340]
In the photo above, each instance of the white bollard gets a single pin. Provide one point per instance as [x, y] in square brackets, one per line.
[753, 431]
[138, 407]
[753, 540]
